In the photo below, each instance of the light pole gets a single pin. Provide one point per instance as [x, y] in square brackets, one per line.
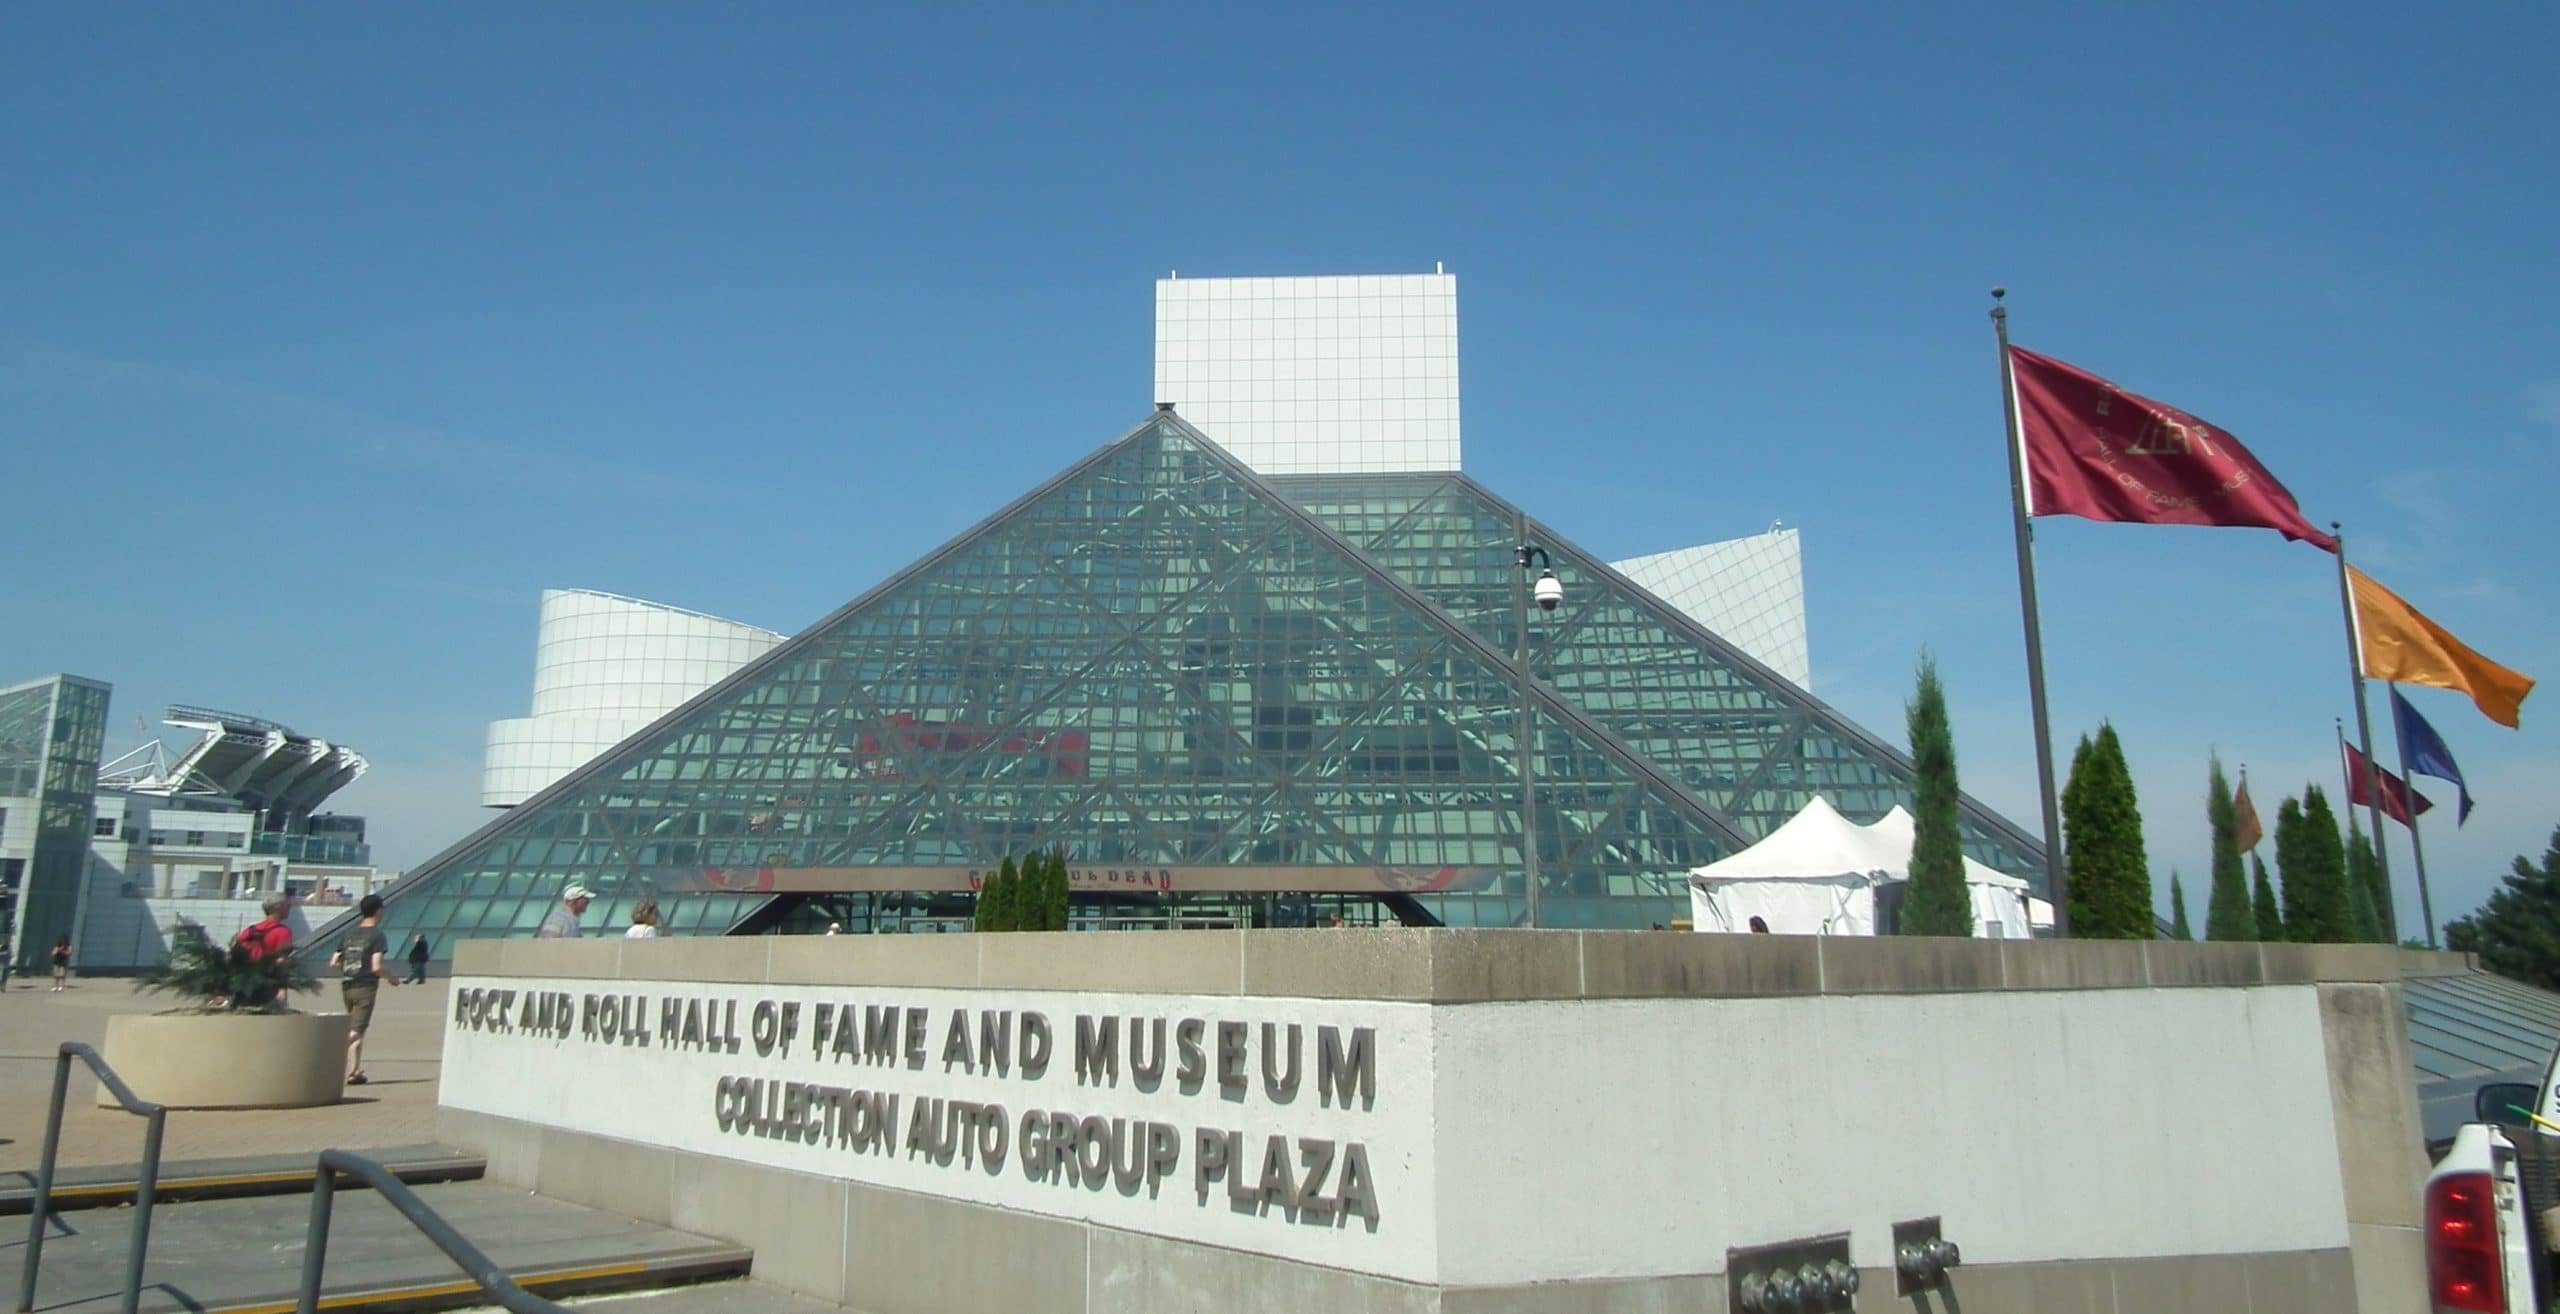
[1548, 593]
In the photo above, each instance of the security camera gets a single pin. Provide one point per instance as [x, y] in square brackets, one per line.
[1547, 591]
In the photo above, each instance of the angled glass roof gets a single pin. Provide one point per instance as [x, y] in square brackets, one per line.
[1154, 661]
[1748, 742]
[2468, 1028]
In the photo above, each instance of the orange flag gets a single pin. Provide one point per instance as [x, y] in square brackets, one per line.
[2395, 642]
[2247, 830]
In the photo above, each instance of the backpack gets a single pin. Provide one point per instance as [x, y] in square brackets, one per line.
[255, 944]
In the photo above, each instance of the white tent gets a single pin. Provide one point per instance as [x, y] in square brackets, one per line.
[2000, 901]
[1815, 875]
[1818, 875]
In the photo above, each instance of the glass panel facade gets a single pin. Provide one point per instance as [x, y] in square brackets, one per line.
[1160, 661]
[1753, 747]
[1154, 662]
[51, 732]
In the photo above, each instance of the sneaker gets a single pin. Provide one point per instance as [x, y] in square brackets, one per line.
[357, 1080]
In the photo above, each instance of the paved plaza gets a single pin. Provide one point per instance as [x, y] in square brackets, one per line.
[398, 1107]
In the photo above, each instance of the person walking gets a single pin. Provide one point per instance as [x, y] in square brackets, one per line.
[562, 923]
[419, 953]
[360, 979]
[644, 921]
[62, 963]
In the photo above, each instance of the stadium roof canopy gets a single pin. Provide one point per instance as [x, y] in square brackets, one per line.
[258, 763]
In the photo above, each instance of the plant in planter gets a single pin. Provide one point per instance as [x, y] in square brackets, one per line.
[235, 1045]
[222, 980]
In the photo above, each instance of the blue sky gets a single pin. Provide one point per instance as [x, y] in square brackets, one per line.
[330, 335]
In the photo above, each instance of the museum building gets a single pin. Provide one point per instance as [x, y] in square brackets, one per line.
[1256, 662]
[1227, 699]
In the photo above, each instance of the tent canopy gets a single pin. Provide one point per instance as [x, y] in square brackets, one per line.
[1818, 875]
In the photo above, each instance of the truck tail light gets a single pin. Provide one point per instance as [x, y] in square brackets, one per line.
[2463, 1274]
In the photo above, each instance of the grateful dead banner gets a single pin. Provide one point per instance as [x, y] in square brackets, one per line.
[1104, 878]
[2097, 451]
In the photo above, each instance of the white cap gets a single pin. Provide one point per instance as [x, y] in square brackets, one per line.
[576, 891]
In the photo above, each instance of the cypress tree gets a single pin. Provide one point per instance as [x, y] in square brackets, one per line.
[2178, 910]
[2102, 821]
[2363, 878]
[2365, 884]
[2364, 924]
[2262, 902]
[2075, 790]
[2291, 867]
[996, 900]
[2313, 865]
[1936, 902]
[1053, 907]
[2227, 914]
[2329, 857]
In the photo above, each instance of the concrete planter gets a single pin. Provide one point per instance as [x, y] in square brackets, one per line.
[229, 1060]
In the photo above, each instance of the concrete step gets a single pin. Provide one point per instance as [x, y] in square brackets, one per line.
[94, 1186]
[734, 1296]
[244, 1256]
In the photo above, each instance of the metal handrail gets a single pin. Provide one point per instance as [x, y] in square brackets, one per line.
[421, 1215]
[144, 1189]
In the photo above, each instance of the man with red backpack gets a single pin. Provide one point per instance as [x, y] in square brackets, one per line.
[260, 941]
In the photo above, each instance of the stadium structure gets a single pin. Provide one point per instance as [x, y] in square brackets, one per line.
[114, 855]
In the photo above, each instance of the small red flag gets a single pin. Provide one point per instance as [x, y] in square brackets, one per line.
[2097, 451]
[2398, 799]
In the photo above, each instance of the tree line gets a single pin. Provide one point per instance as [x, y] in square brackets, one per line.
[1031, 896]
[2327, 887]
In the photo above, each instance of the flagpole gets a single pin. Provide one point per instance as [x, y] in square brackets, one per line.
[2364, 731]
[2347, 782]
[2417, 846]
[2056, 884]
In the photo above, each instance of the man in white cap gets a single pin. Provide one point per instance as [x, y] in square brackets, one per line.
[562, 924]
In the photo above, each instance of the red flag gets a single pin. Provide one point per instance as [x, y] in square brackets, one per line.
[2095, 450]
[2397, 797]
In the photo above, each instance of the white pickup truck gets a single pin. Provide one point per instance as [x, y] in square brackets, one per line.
[2493, 1204]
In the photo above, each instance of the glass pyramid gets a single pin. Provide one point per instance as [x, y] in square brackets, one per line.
[1210, 696]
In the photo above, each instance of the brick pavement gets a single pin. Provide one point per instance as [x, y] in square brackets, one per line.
[403, 1055]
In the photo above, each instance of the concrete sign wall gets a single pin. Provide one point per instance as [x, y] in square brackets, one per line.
[1437, 1113]
[1296, 1128]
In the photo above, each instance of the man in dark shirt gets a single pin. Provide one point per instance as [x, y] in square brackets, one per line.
[419, 953]
[359, 963]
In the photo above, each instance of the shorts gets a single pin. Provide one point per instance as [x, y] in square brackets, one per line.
[359, 999]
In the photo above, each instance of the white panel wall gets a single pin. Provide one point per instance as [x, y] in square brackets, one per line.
[604, 667]
[121, 931]
[1645, 1137]
[1568, 1139]
[1315, 375]
[1748, 591]
[662, 1095]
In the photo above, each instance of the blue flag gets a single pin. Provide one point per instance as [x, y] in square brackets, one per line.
[2422, 751]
